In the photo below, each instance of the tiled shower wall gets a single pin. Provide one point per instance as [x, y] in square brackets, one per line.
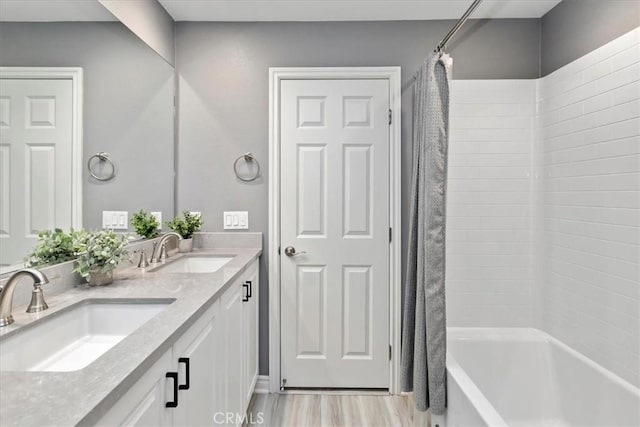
[489, 206]
[589, 187]
[544, 205]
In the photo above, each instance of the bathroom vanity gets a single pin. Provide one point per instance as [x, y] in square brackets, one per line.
[194, 361]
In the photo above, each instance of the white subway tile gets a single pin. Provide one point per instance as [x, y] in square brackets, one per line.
[625, 94]
[623, 217]
[599, 102]
[597, 70]
[597, 231]
[474, 184]
[626, 58]
[488, 147]
[583, 92]
[489, 173]
[606, 149]
[619, 78]
[574, 191]
[488, 160]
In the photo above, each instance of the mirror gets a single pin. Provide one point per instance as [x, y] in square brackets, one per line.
[127, 111]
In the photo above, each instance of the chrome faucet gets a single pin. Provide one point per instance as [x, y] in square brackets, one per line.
[163, 250]
[37, 298]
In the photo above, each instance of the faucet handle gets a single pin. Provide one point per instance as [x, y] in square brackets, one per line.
[143, 262]
[163, 252]
[37, 303]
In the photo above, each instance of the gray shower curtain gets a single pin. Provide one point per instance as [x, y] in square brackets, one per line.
[423, 368]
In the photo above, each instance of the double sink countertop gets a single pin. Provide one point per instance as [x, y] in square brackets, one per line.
[84, 396]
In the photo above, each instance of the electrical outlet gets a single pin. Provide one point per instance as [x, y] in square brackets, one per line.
[236, 220]
[115, 220]
[158, 216]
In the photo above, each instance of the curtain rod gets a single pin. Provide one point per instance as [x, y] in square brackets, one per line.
[458, 25]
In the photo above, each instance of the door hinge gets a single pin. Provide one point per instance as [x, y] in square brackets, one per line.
[390, 351]
[390, 116]
[278, 250]
[390, 234]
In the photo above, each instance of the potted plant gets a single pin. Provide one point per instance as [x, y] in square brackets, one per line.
[55, 246]
[102, 251]
[185, 227]
[146, 225]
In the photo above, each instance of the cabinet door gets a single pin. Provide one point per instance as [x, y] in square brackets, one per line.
[144, 403]
[194, 358]
[232, 354]
[250, 333]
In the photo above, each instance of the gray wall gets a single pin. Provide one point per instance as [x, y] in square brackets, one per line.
[576, 27]
[223, 102]
[128, 107]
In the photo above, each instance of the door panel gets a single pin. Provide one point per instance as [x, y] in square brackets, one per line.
[35, 155]
[335, 208]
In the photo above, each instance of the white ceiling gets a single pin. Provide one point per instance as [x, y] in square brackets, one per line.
[53, 10]
[349, 10]
[280, 10]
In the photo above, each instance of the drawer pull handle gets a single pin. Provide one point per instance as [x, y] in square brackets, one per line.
[247, 291]
[185, 360]
[174, 377]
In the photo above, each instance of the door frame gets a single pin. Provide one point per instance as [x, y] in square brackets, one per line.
[75, 75]
[276, 76]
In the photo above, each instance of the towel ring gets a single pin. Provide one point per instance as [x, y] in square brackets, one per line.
[248, 157]
[103, 157]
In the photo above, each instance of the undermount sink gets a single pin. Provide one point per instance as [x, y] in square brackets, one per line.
[195, 264]
[73, 338]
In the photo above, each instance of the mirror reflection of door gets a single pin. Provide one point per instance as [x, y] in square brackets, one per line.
[36, 136]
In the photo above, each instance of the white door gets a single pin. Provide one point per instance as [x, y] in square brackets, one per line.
[334, 179]
[35, 162]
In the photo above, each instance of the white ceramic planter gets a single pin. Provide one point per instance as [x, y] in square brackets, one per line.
[185, 245]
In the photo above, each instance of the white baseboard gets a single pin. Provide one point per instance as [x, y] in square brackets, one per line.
[262, 385]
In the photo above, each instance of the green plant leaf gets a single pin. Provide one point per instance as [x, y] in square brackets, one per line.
[187, 225]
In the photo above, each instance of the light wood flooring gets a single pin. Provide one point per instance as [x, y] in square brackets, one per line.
[325, 410]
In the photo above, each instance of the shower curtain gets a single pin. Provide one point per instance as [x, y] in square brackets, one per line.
[423, 367]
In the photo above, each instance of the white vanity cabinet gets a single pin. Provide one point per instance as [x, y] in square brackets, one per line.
[195, 359]
[207, 377]
[144, 403]
[250, 333]
[239, 321]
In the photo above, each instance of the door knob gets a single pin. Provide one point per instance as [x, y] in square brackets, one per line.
[291, 251]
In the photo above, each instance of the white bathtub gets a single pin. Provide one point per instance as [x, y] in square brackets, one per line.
[524, 377]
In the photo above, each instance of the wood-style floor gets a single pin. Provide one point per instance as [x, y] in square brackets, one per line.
[324, 410]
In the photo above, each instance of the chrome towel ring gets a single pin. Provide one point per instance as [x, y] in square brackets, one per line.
[248, 157]
[103, 157]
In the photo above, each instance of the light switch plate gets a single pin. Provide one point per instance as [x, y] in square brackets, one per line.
[115, 220]
[158, 216]
[238, 220]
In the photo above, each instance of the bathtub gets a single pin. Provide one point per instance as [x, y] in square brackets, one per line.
[524, 377]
